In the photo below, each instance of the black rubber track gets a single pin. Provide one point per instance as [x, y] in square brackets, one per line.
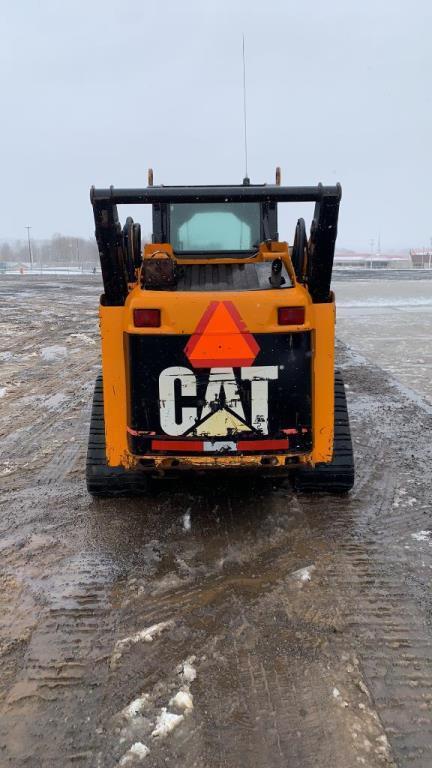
[103, 480]
[337, 476]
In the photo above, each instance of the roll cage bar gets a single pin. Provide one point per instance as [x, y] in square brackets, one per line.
[119, 249]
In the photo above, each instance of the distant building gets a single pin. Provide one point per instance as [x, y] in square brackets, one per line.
[421, 258]
[368, 261]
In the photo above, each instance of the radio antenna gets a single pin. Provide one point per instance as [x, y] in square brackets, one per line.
[246, 179]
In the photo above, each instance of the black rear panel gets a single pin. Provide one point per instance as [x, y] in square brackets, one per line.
[177, 409]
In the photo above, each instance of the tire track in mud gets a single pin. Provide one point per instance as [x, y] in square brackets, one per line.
[263, 700]
[259, 702]
[44, 457]
[64, 654]
[59, 466]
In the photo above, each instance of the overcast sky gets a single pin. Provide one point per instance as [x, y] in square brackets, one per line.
[95, 91]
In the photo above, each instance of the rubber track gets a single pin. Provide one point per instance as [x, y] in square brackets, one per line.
[338, 475]
[103, 480]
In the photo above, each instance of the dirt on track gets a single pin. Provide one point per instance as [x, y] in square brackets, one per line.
[300, 625]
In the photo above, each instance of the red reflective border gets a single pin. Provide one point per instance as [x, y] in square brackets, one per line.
[262, 445]
[195, 446]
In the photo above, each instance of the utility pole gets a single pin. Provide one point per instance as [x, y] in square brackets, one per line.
[372, 244]
[78, 253]
[29, 247]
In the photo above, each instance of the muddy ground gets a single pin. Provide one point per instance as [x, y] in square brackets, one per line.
[299, 627]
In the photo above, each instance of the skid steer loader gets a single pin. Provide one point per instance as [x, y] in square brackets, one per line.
[217, 340]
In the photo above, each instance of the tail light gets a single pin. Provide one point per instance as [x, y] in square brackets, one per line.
[147, 318]
[291, 315]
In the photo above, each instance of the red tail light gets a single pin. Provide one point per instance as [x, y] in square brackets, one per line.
[147, 318]
[291, 315]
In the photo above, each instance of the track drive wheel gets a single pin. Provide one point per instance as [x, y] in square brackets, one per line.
[103, 480]
[337, 476]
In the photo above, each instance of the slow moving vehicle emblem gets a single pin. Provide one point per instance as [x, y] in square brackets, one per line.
[221, 339]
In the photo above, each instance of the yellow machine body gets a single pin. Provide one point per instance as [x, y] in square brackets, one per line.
[180, 313]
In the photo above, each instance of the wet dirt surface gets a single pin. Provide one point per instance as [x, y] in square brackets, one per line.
[298, 628]
[390, 323]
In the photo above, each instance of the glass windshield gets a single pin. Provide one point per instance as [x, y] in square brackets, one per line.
[204, 227]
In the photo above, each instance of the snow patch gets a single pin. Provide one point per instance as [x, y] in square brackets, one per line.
[82, 337]
[2, 391]
[135, 754]
[182, 700]
[6, 468]
[303, 574]
[136, 707]
[51, 354]
[187, 670]
[166, 723]
[168, 582]
[338, 696]
[55, 401]
[421, 301]
[422, 535]
[144, 636]
[383, 747]
[187, 520]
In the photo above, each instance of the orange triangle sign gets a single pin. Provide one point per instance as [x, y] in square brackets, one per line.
[221, 339]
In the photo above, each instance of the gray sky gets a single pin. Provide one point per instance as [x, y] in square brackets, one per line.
[95, 92]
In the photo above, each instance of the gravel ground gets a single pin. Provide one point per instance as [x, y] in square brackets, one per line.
[281, 629]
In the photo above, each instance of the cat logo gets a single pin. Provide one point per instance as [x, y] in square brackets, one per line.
[222, 412]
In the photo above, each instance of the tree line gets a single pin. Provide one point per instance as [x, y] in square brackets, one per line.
[60, 250]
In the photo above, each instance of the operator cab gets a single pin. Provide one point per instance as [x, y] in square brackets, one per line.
[227, 236]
